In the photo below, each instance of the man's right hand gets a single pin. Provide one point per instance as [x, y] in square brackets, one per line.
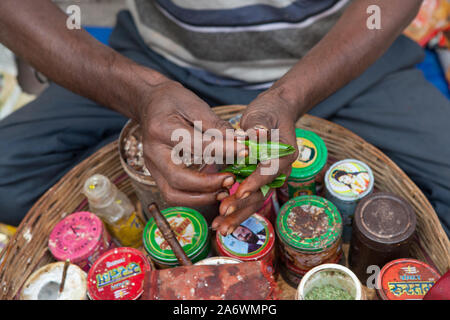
[169, 107]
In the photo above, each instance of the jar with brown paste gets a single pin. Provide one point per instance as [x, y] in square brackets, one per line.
[309, 229]
[383, 228]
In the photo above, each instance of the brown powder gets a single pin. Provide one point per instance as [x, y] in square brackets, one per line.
[308, 222]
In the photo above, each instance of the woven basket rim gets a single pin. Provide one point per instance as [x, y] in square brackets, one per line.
[225, 112]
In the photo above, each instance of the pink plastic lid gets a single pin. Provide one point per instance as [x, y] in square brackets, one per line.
[76, 237]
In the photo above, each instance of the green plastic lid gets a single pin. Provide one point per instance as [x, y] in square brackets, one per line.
[312, 156]
[189, 226]
[309, 224]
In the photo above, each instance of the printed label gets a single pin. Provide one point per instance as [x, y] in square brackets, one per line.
[349, 179]
[307, 153]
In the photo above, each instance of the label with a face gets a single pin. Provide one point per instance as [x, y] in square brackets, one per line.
[307, 153]
[349, 179]
[253, 238]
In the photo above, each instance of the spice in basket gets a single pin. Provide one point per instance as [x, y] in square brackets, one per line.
[118, 275]
[192, 233]
[383, 229]
[311, 160]
[346, 183]
[330, 282]
[115, 209]
[309, 230]
[253, 240]
[80, 238]
[405, 279]
[46, 283]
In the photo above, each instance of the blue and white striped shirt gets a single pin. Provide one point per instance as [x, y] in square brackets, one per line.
[246, 43]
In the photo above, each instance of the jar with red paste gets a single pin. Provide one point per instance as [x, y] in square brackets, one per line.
[309, 230]
[80, 238]
[253, 240]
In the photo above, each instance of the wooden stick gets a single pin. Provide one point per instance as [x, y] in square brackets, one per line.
[63, 281]
[169, 235]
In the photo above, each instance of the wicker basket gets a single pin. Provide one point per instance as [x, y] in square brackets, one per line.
[28, 251]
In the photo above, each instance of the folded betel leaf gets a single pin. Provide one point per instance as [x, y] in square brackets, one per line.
[268, 150]
[243, 281]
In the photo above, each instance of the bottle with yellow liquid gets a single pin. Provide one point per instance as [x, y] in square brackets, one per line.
[115, 209]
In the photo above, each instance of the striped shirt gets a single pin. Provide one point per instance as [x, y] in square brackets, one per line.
[245, 43]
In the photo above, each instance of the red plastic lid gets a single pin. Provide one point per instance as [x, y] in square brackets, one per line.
[118, 275]
[405, 279]
[252, 240]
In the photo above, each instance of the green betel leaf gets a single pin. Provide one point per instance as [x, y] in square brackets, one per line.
[265, 189]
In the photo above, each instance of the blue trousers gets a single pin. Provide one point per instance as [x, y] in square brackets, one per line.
[391, 106]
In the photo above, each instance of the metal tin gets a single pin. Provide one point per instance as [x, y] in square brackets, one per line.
[213, 261]
[309, 229]
[330, 274]
[405, 279]
[80, 238]
[383, 229]
[346, 183]
[312, 158]
[118, 275]
[253, 240]
[44, 283]
[191, 230]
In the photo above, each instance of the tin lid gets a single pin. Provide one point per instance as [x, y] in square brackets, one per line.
[405, 279]
[189, 226]
[252, 240]
[312, 156]
[76, 237]
[349, 180]
[309, 224]
[384, 219]
[118, 275]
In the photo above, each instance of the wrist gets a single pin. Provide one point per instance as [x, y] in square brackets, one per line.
[291, 100]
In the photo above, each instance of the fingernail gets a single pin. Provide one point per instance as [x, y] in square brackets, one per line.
[214, 225]
[230, 210]
[245, 195]
[228, 182]
[222, 196]
[229, 231]
[243, 153]
[260, 127]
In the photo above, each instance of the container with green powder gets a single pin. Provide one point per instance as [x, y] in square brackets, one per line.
[330, 282]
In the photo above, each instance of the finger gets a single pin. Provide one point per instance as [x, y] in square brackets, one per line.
[264, 174]
[179, 177]
[225, 225]
[232, 204]
[176, 197]
[207, 132]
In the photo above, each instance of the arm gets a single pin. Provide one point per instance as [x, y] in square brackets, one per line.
[341, 56]
[36, 30]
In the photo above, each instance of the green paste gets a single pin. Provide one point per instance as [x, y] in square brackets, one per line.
[328, 292]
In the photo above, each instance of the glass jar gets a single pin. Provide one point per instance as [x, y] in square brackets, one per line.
[346, 183]
[309, 230]
[253, 240]
[115, 209]
[311, 160]
[336, 276]
[383, 229]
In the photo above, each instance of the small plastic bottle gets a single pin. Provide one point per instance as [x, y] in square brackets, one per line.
[115, 209]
